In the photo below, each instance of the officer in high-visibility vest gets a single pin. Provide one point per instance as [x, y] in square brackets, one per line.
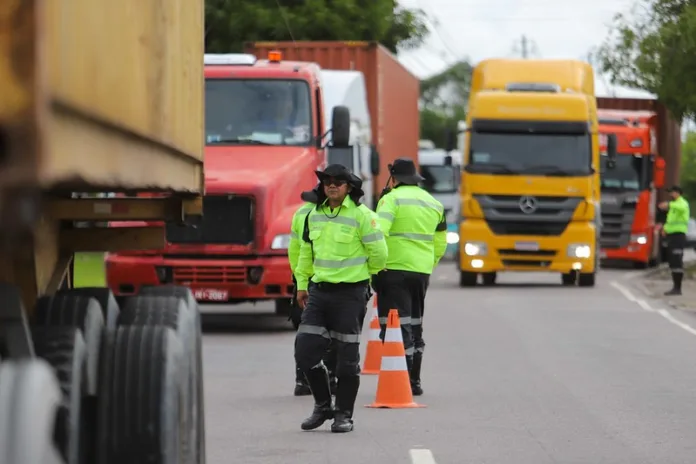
[311, 199]
[416, 232]
[342, 247]
[674, 229]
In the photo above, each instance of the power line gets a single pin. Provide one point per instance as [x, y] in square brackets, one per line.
[525, 47]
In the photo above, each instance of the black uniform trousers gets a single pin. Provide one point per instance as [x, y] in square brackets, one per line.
[404, 291]
[675, 247]
[296, 318]
[334, 314]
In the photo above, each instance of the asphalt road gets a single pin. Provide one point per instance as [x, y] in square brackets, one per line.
[518, 373]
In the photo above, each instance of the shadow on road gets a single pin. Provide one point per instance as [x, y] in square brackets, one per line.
[244, 323]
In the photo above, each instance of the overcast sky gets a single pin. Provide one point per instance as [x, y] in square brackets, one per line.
[479, 29]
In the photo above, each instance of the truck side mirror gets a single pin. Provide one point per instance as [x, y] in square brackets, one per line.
[659, 172]
[450, 140]
[611, 151]
[448, 160]
[340, 126]
[374, 160]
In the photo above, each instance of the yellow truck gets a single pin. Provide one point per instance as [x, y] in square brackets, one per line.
[97, 97]
[530, 184]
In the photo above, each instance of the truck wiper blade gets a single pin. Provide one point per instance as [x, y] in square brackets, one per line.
[492, 168]
[548, 170]
[237, 142]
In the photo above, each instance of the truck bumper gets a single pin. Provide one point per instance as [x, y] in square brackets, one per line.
[633, 252]
[221, 281]
[526, 253]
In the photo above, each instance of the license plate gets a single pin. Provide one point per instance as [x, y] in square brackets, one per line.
[210, 294]
[526, 246]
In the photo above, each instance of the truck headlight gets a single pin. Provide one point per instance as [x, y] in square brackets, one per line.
[452, 238]
[280, 242]
[640, 239]
[475, 249]
[579, 250]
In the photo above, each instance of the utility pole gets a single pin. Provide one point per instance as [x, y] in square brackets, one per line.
[525, 49]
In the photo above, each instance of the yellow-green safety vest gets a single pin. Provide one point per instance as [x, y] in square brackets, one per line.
[414, 224]
[296, 234]
[677, 217]
[345, 245]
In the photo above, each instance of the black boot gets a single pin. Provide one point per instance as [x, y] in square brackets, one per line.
[415, 374]
[676, 284]
[301, 386]
[318, 380]
[346, 392]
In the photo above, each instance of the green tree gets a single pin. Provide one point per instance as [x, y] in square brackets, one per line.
[230, 23]
[444, 97]
[687, 179]
[656, 51]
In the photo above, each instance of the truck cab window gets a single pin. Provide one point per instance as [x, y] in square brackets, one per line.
[439, 179]
[258, 111]
[629, 174]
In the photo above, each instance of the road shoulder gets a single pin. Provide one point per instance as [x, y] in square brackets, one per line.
[652, 284]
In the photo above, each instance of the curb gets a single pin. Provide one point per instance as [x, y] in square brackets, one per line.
[636, 281]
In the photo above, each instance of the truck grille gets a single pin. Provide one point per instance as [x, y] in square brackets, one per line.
[227, 219]
[512, 214]
[617, 221]
[185, 275]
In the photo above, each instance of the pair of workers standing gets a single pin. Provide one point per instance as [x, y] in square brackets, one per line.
[344, 248]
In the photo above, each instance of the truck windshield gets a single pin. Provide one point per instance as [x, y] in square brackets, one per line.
[439, 178]
[257, 112]
[629, 174]
[535, 154]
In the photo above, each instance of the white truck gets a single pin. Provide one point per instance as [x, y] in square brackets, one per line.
[441, 170]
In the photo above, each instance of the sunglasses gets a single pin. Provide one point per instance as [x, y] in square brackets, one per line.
[336, 182]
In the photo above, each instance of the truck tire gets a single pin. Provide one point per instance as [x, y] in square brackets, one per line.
[569, 278]
[185, 294]
[172, 312]
[142, 401]
[82, 312]
[65, 350]
[106, 301]
[29, 401]
[467, 279]
[586, 279]
[489, 278]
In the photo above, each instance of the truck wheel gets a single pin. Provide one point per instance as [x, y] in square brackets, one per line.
[65, 350]
[81, 312]
[489, 278]
[283, 307]
[29, 402]
[185, 293]
[569, 278]
[172, 312]
[467, 279]
[106, 301]
[142, 405]
[586, 279]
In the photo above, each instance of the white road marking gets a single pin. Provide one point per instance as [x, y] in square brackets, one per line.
[422, 456]
[646, 306]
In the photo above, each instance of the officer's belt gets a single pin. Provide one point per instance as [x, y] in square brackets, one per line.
[329, 286]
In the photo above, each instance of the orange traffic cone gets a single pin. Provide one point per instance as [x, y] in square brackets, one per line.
[394, 385]
[373, 354]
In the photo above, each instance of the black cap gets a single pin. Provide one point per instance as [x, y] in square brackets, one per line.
[404, 171]
[675, 188]
[338, 171]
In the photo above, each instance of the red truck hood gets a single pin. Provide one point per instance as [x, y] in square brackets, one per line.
[248, 169]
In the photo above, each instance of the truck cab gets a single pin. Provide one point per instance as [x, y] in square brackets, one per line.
[629, 187]
[264, 137]
[530, 183]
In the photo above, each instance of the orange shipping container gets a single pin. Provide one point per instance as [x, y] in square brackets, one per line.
[668, 132]
[392, 91]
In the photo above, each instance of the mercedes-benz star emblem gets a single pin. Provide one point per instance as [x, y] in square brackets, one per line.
[528, 204]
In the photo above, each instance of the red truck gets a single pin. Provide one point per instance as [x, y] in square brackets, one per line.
[631, 188]
[264, 138]
[255, 171]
